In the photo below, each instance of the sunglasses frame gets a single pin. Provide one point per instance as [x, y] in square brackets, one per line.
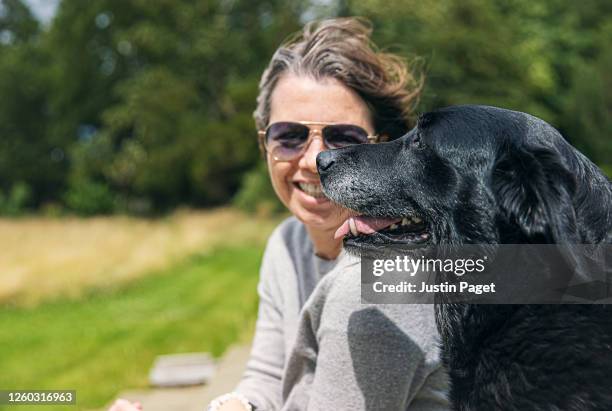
[375, 138]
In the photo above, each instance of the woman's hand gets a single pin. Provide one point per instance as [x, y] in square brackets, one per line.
[125, 405]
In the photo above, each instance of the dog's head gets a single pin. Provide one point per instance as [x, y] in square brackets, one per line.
[469, 175]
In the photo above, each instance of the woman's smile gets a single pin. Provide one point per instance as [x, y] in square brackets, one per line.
[312, 189]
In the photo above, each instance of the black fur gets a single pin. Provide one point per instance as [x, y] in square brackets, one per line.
[484, 175]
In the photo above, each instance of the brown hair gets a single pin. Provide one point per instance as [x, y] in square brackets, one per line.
[342, 49]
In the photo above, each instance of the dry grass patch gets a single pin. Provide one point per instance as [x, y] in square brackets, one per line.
[44, 258]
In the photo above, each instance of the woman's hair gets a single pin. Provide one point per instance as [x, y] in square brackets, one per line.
[342, 49]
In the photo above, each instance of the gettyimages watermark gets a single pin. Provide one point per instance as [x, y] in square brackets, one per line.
[488, 274]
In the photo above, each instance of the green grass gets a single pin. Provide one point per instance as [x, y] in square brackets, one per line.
[106, 342]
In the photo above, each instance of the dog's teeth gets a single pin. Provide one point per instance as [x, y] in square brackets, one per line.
[405, 221]
[416, 219]
[424, 236]
[393, 226]
[353, 227]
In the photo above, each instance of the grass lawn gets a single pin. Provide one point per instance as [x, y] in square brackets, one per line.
[44, 258]
[105, 341]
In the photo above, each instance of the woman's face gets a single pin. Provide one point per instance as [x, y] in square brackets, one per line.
[296, 182]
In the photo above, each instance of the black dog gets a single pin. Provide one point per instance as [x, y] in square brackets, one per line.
[484, 175]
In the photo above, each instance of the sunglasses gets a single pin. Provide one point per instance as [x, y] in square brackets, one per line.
[287, 140]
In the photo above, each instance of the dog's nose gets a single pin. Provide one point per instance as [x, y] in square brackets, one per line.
[325, 159]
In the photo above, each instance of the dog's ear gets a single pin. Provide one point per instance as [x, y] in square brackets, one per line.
[534, 191]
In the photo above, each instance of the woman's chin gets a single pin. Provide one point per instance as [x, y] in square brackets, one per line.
[326, 220]
[310, 202]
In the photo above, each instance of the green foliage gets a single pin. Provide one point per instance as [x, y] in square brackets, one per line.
[17, 200]
[150, 103]
[548, 58]
[173, 86]
[587, 109]
[89, 198]
[27, 153]
[105, 343]
[256, 193]
[17, 24]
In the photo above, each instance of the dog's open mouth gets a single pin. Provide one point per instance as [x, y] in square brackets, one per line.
[374, 230]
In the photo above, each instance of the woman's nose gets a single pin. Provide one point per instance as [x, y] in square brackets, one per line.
[309, 158]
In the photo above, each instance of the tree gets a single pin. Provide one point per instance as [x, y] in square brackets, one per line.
[176, 108]
[17, 25]
[518, 54]
[28, 159]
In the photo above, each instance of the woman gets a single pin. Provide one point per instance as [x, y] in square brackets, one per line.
[329, 87]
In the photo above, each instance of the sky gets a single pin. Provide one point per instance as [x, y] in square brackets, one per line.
[44, 10]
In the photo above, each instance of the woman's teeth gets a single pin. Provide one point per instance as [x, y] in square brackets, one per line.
[313, 190]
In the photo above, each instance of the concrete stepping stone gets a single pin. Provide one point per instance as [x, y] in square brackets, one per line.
[177, 370]
[194, 398]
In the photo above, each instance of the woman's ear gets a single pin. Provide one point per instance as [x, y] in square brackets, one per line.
[534, 191]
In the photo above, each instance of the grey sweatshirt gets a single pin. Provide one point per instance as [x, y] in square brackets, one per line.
[289, 272]
[353, 356]
[336, 362]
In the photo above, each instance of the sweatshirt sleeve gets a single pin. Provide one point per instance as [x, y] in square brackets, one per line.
[261, 382]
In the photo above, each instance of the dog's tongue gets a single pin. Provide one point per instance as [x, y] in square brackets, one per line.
[364, 225]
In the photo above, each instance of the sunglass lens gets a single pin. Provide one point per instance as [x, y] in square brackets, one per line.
[287, 133]
[285, 139]
[343, 135]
